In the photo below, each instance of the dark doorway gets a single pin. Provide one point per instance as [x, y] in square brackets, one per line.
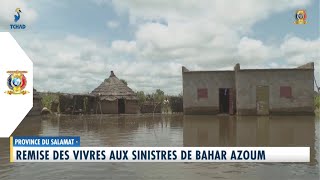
[224, 100]
[121, 106]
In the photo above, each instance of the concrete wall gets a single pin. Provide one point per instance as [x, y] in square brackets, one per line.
[212, 80]
[300, 80]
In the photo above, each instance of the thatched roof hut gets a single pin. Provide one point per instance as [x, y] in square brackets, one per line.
[116, 96]
[113, 88]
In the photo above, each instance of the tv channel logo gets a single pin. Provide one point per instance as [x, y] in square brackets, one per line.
[301, 17]
[17, 17]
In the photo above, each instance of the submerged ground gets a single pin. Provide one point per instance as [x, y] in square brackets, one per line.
[170, 130]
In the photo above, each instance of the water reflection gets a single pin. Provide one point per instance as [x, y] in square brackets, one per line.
[116, 130]
[169, 130]
[28, 127]
[250, 131]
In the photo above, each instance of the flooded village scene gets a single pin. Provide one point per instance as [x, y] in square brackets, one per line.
[115, 115]
[149, 74]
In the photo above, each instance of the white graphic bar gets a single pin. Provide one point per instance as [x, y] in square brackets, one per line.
[160, 154]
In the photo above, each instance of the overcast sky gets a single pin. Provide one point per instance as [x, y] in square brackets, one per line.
[75, 44]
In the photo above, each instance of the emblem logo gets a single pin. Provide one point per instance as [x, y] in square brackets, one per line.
[17, 82]
[16, 19]
[301, 17]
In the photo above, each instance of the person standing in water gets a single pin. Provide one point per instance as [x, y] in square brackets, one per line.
[166, 105]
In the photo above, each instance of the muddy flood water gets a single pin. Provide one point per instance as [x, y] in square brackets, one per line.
[170, 130]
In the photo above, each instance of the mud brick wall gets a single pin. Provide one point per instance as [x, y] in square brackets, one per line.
[108, 107]
[132, 107]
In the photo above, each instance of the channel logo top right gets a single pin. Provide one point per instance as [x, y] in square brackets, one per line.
[301, 17]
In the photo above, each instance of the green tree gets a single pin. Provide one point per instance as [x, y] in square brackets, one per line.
[158, 98]
[141, 98]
